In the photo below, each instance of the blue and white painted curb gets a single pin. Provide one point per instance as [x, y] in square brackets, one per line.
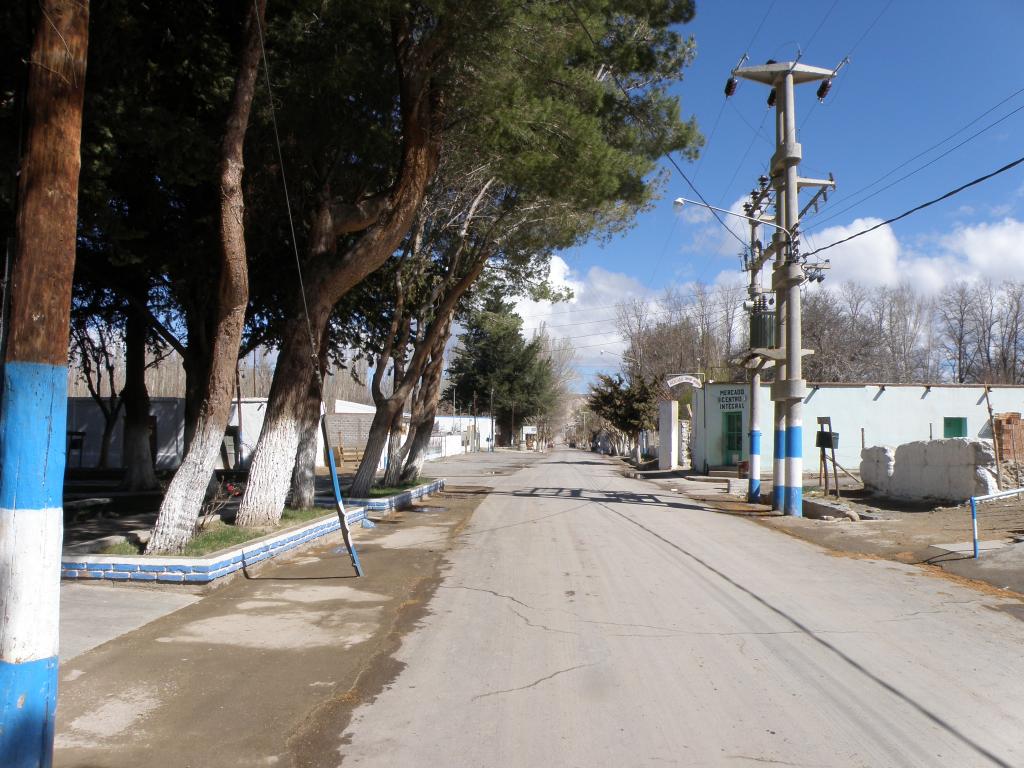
[203, 570]
[399, 500]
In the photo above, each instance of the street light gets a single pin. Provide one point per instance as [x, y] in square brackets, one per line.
[679, 202]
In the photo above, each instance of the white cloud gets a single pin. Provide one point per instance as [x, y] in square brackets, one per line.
[589, 318]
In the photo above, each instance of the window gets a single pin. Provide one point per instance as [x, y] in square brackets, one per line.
[954, 426]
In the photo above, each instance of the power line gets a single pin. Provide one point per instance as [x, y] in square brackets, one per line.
[905, 214]
[849, 53]
[821, 23]
[934, 160]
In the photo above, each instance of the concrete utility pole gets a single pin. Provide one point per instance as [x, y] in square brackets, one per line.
[789, 387]
[753, 209]
[33, 412]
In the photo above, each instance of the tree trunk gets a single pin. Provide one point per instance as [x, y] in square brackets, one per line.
[418, 450]
[196, 363]
[303, 495]
[175, 524]
[109, 422]
[274, 458]
[375, 442]
[422, 427]
[33, 405]
[137, 454]
[393, 473]
[328, 282]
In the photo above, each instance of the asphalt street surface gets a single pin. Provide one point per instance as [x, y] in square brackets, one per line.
[591, 620]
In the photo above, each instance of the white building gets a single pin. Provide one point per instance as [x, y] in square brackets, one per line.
[886, 414]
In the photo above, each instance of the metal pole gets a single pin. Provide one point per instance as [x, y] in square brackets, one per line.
[974, 524]
[492, 418]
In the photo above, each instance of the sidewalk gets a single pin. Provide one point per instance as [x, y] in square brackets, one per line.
[231, 678]
[252, 672]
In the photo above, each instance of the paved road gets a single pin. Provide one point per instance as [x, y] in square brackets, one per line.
[585, 622]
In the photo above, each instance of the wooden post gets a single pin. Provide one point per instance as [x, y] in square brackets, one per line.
[995, 443]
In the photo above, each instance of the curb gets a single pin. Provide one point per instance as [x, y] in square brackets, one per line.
[203, 570]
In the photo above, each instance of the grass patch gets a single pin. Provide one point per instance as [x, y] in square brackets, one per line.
[294, 516]
[123, 548]
[220, 535]
[379, 491]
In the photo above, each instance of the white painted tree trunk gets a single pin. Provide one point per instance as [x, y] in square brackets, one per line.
[179, 511]
[418, 451]
[303, 495]
[270, 472]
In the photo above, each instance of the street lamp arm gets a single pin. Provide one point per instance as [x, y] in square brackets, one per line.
[681, 201]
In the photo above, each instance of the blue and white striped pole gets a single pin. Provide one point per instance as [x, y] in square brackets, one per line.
[794, 495]
[779, 457]
[33, 416]
[754, 483]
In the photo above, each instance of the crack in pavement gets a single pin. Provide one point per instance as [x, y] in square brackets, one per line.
[767, 760]
[542, 626]
[538, 681]
[487, 591]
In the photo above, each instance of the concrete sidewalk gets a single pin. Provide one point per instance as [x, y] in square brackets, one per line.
[236, 676]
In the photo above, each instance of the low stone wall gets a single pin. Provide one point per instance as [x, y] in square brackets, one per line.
[952, 469]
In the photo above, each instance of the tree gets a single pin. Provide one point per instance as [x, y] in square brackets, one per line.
[33, 411]
[629, 407]
[97, 338]
[494, 356]
[522, 75]
[175, 523]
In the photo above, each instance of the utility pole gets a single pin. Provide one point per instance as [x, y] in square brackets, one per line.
[758, 312]
[33, 410]
[789, 387]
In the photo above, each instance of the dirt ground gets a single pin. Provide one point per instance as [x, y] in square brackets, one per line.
[889, 529]
[911, 533]
[299, 626]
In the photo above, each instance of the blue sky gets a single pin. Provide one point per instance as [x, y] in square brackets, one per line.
[918, 73]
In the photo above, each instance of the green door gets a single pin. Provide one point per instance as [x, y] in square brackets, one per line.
[732, 437]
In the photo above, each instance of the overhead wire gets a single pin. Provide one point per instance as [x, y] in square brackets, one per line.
[934, 160]
[849, 53]
[914, 210]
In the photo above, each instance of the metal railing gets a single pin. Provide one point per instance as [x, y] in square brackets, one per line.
[974, 510]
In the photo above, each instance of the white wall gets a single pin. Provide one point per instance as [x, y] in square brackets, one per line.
[895, 414]
[85, 416]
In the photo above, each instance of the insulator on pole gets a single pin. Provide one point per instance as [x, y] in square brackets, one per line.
[824, 88]
[730, 86]
[771, 98]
